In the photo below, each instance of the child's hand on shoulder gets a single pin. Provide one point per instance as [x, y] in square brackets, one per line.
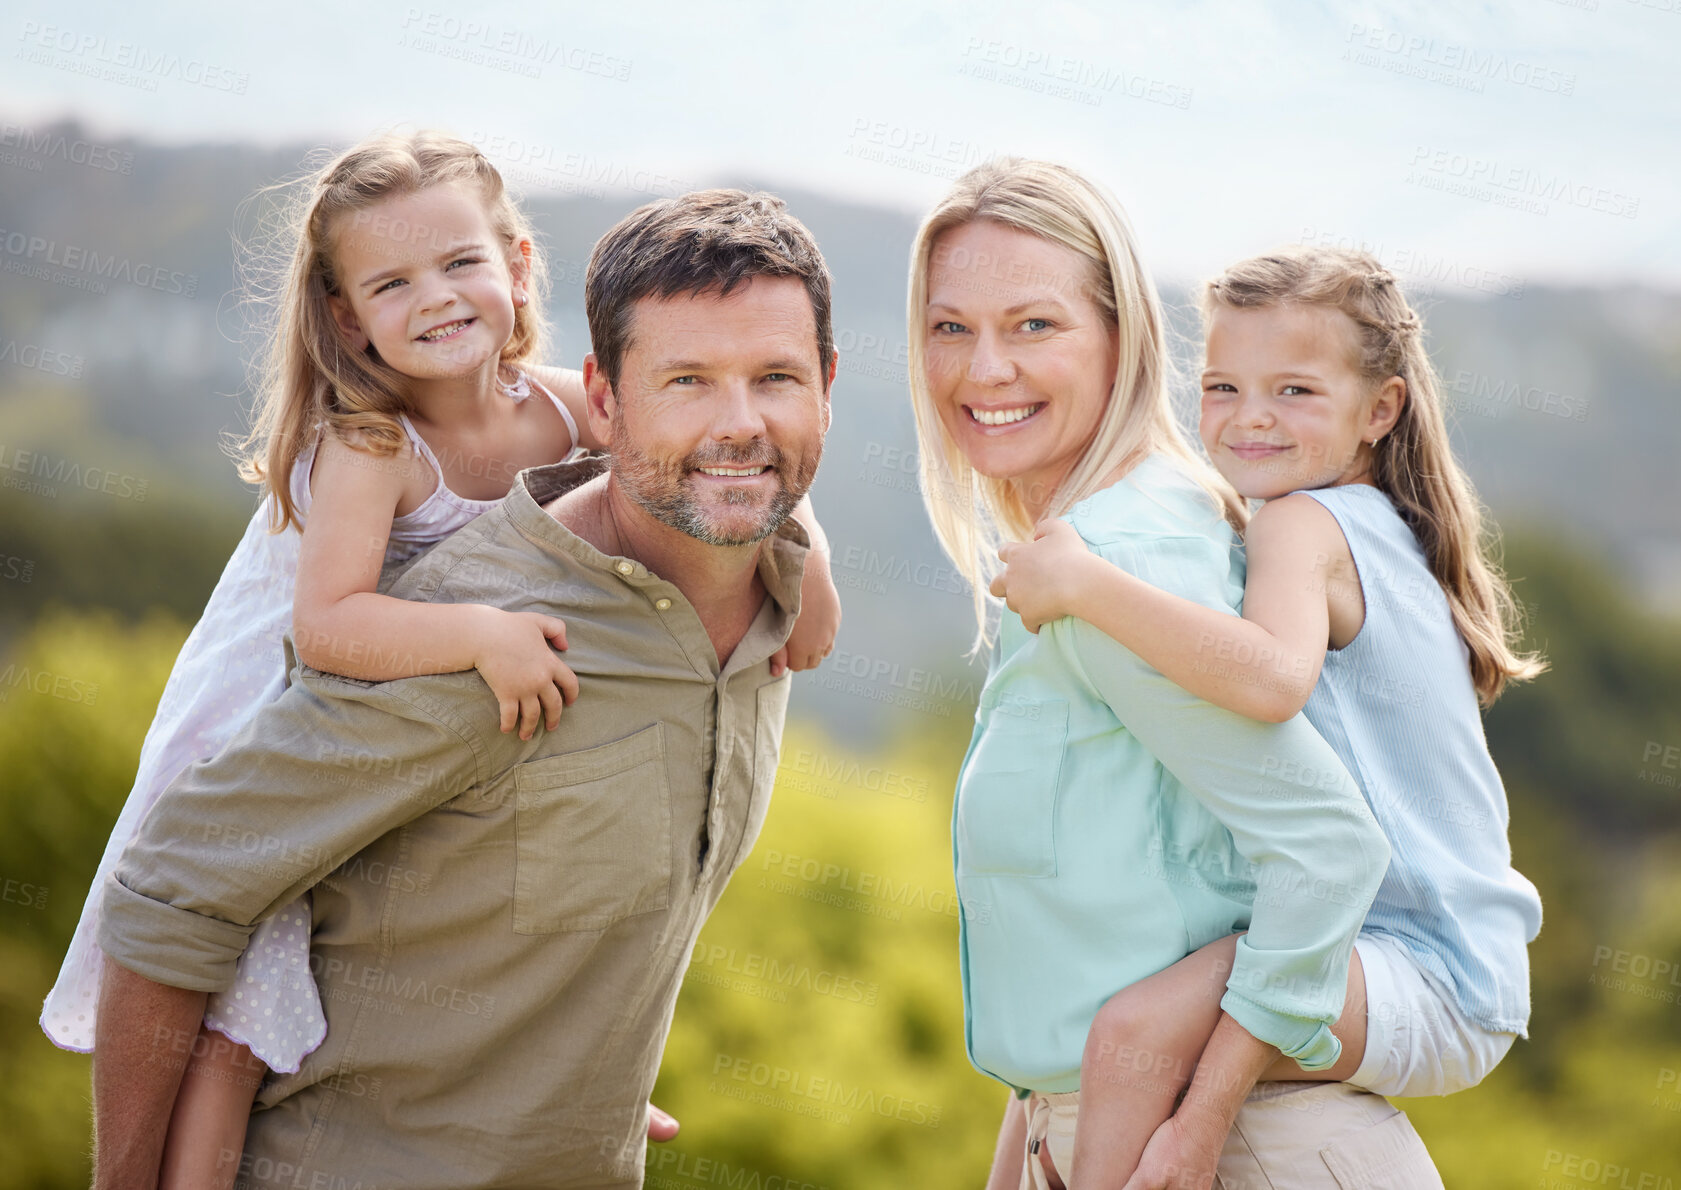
[515, 658]
[1040, 581]
[813, 637]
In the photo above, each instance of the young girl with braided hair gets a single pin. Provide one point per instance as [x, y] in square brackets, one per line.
[1373, 606]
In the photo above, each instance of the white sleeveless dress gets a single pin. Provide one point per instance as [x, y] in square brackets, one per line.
[231, 665]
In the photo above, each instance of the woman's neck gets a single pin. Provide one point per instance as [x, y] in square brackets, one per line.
[1037, 495]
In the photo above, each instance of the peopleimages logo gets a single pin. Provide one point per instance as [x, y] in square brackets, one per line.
[35, 472]
[37, 255]
[1508, 184]
[147, 65]
[49, 145]
[800, 1090]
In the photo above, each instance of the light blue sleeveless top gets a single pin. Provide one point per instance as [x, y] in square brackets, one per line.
[1398, 706]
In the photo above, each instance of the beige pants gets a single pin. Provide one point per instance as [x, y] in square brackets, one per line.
[1288, 1136]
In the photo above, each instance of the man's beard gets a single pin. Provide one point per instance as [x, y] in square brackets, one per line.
[663, 488]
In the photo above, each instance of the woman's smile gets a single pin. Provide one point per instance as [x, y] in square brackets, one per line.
[1009, 321]
[1000, 419]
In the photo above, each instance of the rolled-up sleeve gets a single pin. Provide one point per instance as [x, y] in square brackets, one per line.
[1291, 807]
[318, 774]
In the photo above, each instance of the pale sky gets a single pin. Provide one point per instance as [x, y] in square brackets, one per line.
[1479, 145]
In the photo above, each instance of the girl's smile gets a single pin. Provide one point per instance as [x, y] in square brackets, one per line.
[425, 282]
[448, 330]
[1284, 406]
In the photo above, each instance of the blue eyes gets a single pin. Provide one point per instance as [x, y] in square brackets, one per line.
[1031, 325]
[688, 381]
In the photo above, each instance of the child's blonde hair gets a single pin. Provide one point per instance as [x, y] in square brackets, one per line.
[1413, 463]
[309, 375]
[973, 514]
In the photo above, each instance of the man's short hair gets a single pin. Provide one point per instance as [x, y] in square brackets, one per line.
[706, 241]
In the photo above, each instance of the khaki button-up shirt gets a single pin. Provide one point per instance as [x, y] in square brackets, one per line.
[500, 927]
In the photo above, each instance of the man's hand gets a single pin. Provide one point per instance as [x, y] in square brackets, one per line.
[1180, 1156]
[1040, 581]
[813, 637]
[662, 1126]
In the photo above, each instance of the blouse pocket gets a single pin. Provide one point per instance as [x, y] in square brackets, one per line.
[592, 836]
[1006, 798]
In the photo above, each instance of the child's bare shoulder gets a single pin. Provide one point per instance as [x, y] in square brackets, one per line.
[1296, 525]
[353, 460]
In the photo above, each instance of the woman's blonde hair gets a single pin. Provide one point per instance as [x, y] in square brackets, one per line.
[973, 514]
[1413, 463]
[308, 375]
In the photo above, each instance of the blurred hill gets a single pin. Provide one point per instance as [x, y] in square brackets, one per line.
[1564, 400]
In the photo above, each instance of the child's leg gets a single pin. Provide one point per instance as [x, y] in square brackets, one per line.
[212, 1108]
[1140, 1054]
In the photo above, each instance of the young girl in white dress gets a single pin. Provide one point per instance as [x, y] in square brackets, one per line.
[396, 409]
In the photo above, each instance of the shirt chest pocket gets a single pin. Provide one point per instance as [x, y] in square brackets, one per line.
[592, 836]
[1006, 801]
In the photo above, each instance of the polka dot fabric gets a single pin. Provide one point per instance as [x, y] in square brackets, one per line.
[231, 666]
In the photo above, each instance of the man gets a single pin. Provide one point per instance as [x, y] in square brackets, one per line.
[501, 926]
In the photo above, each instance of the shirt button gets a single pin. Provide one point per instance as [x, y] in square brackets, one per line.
[662, 604]
[625, 567]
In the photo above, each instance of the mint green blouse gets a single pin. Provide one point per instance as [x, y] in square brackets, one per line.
[1107, 823]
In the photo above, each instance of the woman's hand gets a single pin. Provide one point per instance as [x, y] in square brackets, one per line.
[1179, 1156]
[514, 656]
[1041, 579]
[813, 637]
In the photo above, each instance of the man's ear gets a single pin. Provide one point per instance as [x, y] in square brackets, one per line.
[828, 389]
[601, 405]
[349, 325]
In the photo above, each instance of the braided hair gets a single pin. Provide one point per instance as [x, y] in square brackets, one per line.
[1413, 464]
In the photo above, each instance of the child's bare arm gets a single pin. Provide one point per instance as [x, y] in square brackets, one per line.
[340, 625]
[568, 385]
[1263, 665]
[820, 609]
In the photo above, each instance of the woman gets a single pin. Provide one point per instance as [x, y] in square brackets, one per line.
[1107, 823]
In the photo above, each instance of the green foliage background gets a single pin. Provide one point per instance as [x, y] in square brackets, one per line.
[819, 1034]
